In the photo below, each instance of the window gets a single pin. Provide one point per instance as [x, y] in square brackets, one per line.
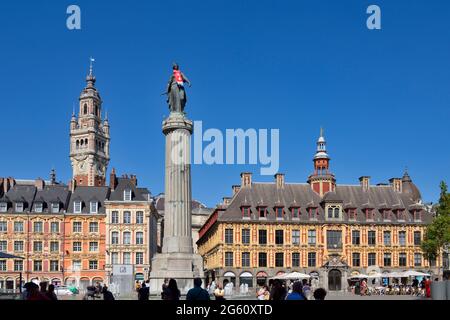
[18, 246]
[93, 265]
[262, 212]
[262, 235]
[387, 215]
[330, 213]
[127, 195]
[279, 237]
[334, 239]
[139, 238]
[417, 215]
[54, 246]
[312, 213]
[387, 260]
[312, 237]
[2, 265]
[127, 237]
[417, 259]
[371, 238]
[262, 259]
[228, 259]
[18, 226]
[37, 226]
[18, 265]
[311, 259]
[76, 246]
[76, 265]
[114, 237]
[387, 238]
[400, 215]
[245, 236]
[402, 259]
[94, 207]
[93, 227]
[37, 246]
[279, 212]
[402, 238]
[55, 207]
[127, 217]
[3, 207]
[77, 206]
[127, 258]
[245, 259]
[279, 259]
[37, 265]
[77, 226]
[246, 212]
[295, 259]
[369, 214]
[54, 227]
[295, 212]
[93, 246]
[3, 226]
[115, 217]
[54, 265]
[333, 212]
[295, 237]
[417, 238]
[139, 258]
[19, 206]
[352, 214]
[356, 237]
[3, 246]
[114, 258]
[38, 207]
[139, 217]
[356, 259]
[229, 236]
[372, 259]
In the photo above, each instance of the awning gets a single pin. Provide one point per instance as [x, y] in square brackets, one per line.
[229, 274]
[261, 274]
[246, 275]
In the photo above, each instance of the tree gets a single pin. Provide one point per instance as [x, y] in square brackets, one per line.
[437, 234]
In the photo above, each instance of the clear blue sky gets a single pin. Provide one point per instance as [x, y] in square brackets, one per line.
[383, 97]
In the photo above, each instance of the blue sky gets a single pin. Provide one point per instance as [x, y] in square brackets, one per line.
[382, 96]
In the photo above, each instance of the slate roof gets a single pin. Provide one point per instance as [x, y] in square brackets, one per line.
[50, 194]
[85, 195]
[197, 206]
[137, 194]
[350, 196]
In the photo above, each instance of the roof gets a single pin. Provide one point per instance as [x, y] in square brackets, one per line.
[197, 206]
[4, 255]
[137, 194]
[85, 195]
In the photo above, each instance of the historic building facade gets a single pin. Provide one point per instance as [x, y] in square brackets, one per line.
[330, 231]
[60, 233]
[131, 226]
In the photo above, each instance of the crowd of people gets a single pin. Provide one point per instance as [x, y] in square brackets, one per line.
[416, 288]
[298, 290]
[43, 291]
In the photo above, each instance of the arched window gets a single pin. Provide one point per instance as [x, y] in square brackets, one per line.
[96, 110]
[82, 143]
[85, 108]
[86, 142]
[336, 212]
[330, 212]
[78, 144]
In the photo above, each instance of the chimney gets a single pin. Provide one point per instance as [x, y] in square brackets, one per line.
[113, 179]
[53, 177]
[226, 201]
[133, 179]
[279, 179]
[396, 184]
[236, 189]
[39, 184]
[365, 182]
[246, 179]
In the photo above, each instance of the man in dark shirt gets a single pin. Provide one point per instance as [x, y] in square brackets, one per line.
[197, 292]
[143, 293]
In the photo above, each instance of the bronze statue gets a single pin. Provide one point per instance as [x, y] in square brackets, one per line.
[176, 95]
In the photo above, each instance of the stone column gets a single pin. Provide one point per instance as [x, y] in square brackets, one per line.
[177, 259]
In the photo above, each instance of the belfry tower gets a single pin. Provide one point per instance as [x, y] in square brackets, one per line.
[322, 180]
[89, 138]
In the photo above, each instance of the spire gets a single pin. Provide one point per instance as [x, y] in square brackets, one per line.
[321, 146]
[53, 176]
[92, 60]
[90, 79]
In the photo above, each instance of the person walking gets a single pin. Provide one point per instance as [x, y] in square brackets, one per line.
[428, 288]
[172, 293]
[164, 288]
[107, 295]
[278, 291]
[143, 293]
[51, 293]
[219, 293]
[197, 292]
[297, 292]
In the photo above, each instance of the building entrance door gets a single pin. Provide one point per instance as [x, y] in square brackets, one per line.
[334, 280]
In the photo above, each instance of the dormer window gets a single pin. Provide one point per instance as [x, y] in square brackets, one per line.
[352, 214]
[19, 206]
[3, 207]
[333, 212]
[312, 212]
[279, 212]
[38, 207]
[55, 207]
[127, 195]
[246, 212]
[94, 206]
[400, 215]
[77, 206]
[417, 215]
[295, 212]
[369, 214]
[262, 212]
